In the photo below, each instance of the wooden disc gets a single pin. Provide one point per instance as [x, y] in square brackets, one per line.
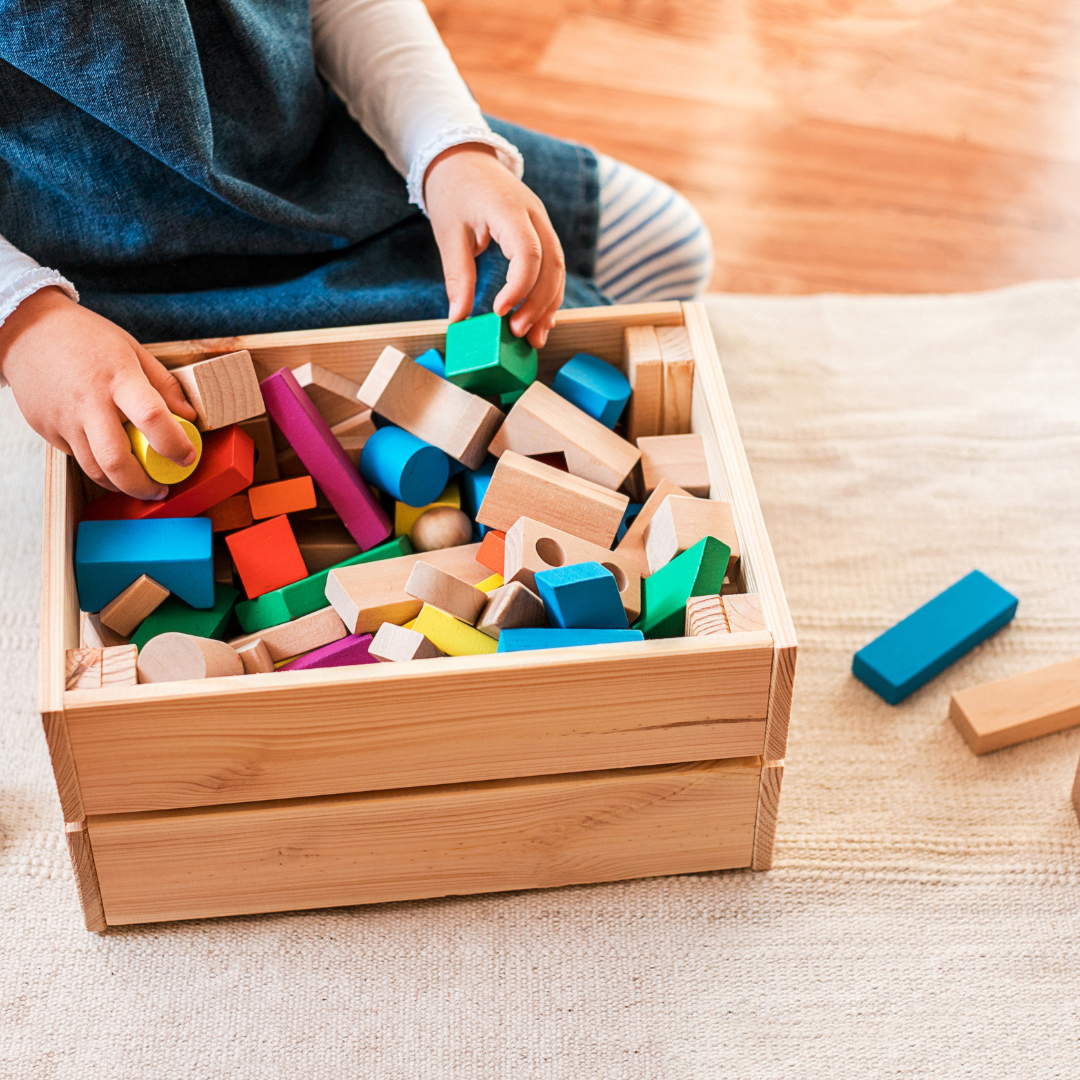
[179, 657]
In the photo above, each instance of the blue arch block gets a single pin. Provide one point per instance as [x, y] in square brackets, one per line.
[409, 469]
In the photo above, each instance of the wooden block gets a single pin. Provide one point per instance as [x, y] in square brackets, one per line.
[520, 486]
[744, 614]
[308, 434]
[118, 666]
[289, 465]
[157, 467]
[433, 409]
[282, 497]
[394, 644]
[223, 567]
[681, 521]
[698, 571]
[177, 553]
[705, 615]
[332, 394]
[582, 596]
[181, 657]
[1011, 711]
[678, 458]
[542, 422]
[231, 513]
[444, 591]
[645, 373]
[511, 607]
[226, 467]
[360, 426]
[492, 553]
[452, 636]
[258, 429]
[405, 516]
[632, 545]
[441, 527]
[175, 616]
[222, 391]
[266, 556]
[532, 547]
[366, 596]
[349, 651]
[596, 387]
[323, 543]
[129, 609]
[291, 639]
[559, 638]
[917, 648]
[678, 379]
[256, 657]
[94, 635]
[484, 357]
[405, 467]
[83, 669]
[490, 584]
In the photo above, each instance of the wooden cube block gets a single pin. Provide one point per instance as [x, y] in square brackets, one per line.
[632, 545]
[83, 669]
[452, 636]
[98, 669]
[681, 521]
[405, 467]
[332, 394]
[222, 390]
[118, 666]
[698, 571]
[645, 373]
[678, 379]
[347, 652]
[162, 469]
[395, 644]
[266, 556]
[124, 613]
[175, 616]
[442, 590]
[291, 639]
[441, 527]
[182, 657]
[596, 387]
[678, 458]
[706, 615]
[744, 614]
[511, 607]
[582, 596]
[484, 357]
[255, 657]
[258, 429]
[282, 497]
[231, 514]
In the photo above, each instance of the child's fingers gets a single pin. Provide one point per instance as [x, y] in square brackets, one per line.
[147, 410]
[538, 334]
[164, 382]
[547, 290]
[79, 448]
[109, 445]
[521, 245]
[457, 251]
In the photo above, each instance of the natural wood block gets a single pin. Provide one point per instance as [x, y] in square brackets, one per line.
[511, 607]
[680, 522]
[231, 514]
[444, 591]
[93, 634]
[451, 635]
[118, 666]
[360, 426]
[82, 866]
[645, 372]
[258, 428]
[332, 394]
[678, 458]
[370, 594]
[183, 657]
[457, 422]
[129, 609]
[441, 527]
[324, 543]
[1014, 710]
[532, 547]
[744, 614]
[290, 639]
[632, 545]
[678, 379]
[282, 497]
[542, 422]
[394, 644]
[706, 615]
[83, 670]
[222, 391]
[520, 486]
[255, 657]
[266, 556]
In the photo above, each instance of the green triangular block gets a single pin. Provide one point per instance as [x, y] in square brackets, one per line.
[698, 571]
[176, 616]
[484, 357]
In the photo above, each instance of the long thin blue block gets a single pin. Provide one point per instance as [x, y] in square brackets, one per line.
[524, 640]
[176, 552]
[924, 644]
[594, 386]
[409, 469]
[582, 596]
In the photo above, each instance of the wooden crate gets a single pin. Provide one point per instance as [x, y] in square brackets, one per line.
[470, 774]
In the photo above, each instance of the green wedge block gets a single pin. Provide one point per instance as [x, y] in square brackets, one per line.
[484, 357]
[698, 571]
[308, 594]
[176, 616]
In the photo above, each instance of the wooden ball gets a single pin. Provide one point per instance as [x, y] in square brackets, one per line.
[441, 527]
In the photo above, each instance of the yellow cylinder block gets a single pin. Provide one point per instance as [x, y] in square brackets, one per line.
[161, 468]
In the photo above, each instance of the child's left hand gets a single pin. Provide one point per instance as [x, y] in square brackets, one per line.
[473, 199]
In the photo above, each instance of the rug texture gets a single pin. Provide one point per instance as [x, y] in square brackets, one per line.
[923, 917]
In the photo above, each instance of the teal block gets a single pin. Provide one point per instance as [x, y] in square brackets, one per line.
[582, 596]
[473, 486]
[698, 571]
[525, 640]
[433, 361]
[484, 357]
[594, 386]
[175, 616]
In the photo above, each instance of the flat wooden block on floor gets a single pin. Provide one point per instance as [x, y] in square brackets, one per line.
[645, 372]
[222, 391]
[678, 458]
[680, 522]
[442, 590]
[129, 609]
[1014, 710]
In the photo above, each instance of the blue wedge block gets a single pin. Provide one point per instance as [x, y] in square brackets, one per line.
[524, 640]
[582, 596]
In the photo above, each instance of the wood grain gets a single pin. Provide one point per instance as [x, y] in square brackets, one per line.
[772, 775]
[86, 879]
[443, 841]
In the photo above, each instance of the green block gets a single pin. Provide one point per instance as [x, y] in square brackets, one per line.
[509, 398]
[176, 616]
[698, 571]
[308, 594]
[484, 357]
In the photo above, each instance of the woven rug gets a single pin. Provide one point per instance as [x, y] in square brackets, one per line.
[922, 919]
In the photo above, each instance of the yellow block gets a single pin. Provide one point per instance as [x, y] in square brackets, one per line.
[405, 515]
[409, 624]
[490, 584]
[454, 637]
[161, 468]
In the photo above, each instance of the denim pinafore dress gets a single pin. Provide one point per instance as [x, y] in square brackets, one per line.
[185, 166]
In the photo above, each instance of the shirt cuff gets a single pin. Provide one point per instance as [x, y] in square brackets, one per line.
[14, 291]
[505, 151]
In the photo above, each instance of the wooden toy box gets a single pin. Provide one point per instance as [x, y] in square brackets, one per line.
[439, 777]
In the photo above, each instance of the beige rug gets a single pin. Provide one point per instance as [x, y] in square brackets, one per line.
[924, 913]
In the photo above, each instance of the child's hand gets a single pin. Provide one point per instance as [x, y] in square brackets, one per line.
[472, 199]
[77, 377]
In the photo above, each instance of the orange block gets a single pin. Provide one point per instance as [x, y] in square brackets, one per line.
[282, 497]
[492, 550]
[267, 556]
[231, 513]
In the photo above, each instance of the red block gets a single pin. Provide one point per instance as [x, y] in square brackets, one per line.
[492, 551]
[267, 556]
[227, 465]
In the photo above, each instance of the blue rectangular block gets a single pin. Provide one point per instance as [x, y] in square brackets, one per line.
[524, 640]
[582, 596]
[176, 552]
[921, 646]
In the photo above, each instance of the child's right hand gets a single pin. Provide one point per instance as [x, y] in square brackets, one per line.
[77, 377]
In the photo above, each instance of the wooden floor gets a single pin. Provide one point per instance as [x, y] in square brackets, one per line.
[851, 145]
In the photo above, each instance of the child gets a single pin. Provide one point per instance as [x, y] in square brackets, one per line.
[210, 167]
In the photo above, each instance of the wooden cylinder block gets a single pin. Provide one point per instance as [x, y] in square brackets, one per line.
[181, 657]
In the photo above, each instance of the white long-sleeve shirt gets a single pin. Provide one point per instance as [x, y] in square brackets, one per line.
[387, 63]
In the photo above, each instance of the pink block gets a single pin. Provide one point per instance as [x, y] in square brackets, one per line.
[321, 454]
[341, 653]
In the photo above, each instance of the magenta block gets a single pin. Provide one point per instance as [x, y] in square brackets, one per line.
[347, 650]
[321, 454]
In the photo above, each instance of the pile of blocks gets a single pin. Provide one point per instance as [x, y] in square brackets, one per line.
[444, 507]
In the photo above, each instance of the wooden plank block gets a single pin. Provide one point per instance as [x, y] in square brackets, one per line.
[83, 669]
[118, 666]
[308, 434]
[182, 657]
[743, 611]
[542, 422]
[255, 657]
[126, 611]
[360, 426]
[678, 458]
[474, 838]
[231, 513]
[706, 615]
[332, 394]
[258, 429]
[441, 527]
[452, 636]
[222, 391]
[442, 590]
[348, 651]
[94, 635]
[632, 545]
[699, 571]
[681, 521]
[86, 880]
[909, 654]
[1011, 711]
[645, 373]
[582, 596]
[299, 636]
[433, 409]
[266, 556]
[520, 486]
[511, 607]
[558, 637]
[678, 379]
[772, 774]
[282, 497]
[396, 644]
